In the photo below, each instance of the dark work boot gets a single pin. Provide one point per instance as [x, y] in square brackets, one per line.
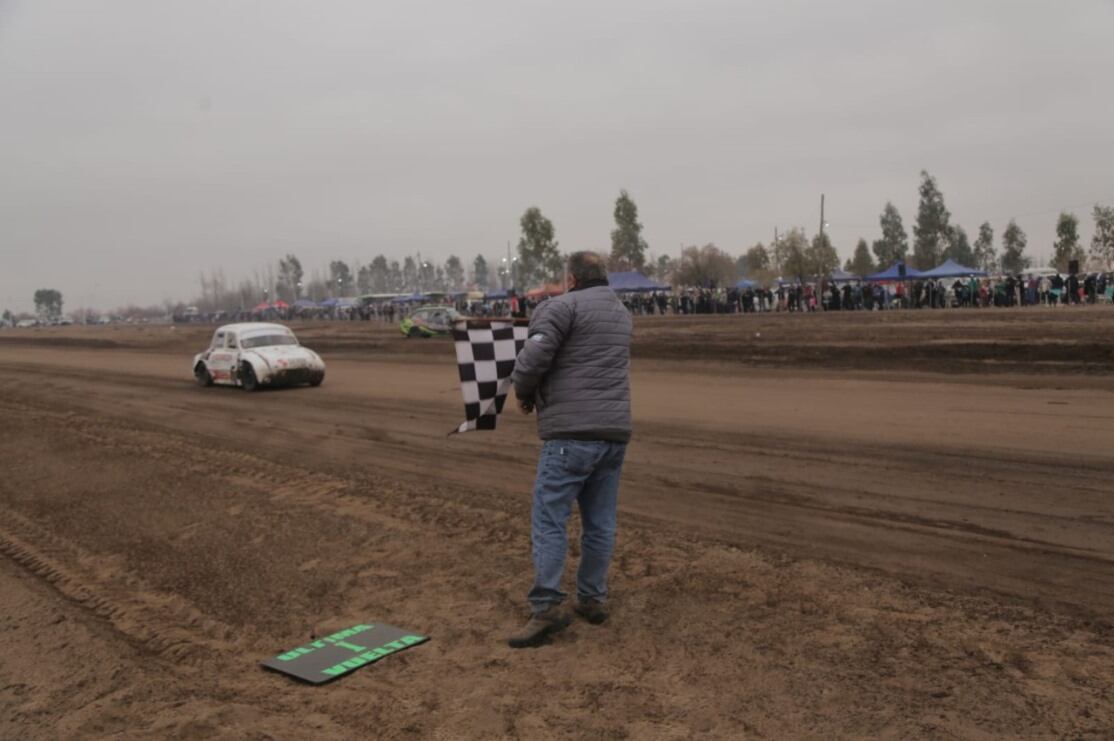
[541, 626]
[591, 610]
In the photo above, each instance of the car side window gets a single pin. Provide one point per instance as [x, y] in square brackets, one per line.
[218, 340]
[231, 341]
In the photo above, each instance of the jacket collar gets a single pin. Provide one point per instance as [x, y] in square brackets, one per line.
[591, 284]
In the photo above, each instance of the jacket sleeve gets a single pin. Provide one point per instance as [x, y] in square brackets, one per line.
[548, 329]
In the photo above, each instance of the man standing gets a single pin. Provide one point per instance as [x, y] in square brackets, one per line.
[575, 371]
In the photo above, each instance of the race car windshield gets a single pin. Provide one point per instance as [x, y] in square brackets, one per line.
[266, 340]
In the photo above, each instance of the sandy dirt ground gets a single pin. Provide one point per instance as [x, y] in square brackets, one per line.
[894, 525]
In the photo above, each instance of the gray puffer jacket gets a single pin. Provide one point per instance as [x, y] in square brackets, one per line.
[575, 366]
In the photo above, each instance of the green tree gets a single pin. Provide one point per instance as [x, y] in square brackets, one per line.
[396, 283]
[427, 275]
[755, 261]
[538, 257]
[1013, 249]
[340, 278]
[821, 257]
[380, 273]
[985, 256]
[931, 232]
[861, 263]
[959, 247]
[316, 288]
[48, 303]
[1067, 246]
[290, 277]
[894, 244]
[628, 248]
[705, 267]
[790, 255]
[454, 273]
[410, 275]
[363, 280]
[1102, 242]
[480, 273]
[6, 317]
[665, 268]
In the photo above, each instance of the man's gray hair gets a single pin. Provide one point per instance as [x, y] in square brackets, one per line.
[587, 266]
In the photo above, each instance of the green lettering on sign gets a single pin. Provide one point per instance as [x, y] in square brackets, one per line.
[371, 655]
[351, 647]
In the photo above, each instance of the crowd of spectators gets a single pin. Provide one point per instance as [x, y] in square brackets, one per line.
[1004, 291]
[1001, 291]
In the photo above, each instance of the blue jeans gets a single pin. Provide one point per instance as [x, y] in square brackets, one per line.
[585, 472]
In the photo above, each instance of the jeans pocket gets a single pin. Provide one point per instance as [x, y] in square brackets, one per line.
[576, 458]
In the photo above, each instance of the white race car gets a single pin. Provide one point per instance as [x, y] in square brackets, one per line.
[256, 354]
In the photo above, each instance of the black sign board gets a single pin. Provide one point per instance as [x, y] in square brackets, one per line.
[346, 650]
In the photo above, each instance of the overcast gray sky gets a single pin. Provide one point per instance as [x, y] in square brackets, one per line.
[142, 141]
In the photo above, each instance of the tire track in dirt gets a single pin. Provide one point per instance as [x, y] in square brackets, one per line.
[173, 630]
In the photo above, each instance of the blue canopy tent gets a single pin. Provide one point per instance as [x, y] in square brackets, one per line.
[952, 269]
[305, 303]
[892, 274]
[329, 303]
[744, 284]
[842, 276]
[413, 298]
[633, 281]
[497, 295]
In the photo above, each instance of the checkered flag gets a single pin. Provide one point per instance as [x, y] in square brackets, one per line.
[485, 353]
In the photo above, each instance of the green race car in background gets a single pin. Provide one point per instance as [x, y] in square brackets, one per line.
[429, 321]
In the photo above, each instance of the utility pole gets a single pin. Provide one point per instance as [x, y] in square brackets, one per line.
[773, 255]
[821, 217]
[820, 278]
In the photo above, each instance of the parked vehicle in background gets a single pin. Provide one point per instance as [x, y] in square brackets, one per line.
[255, 354]
[429, 321]
[27, 323]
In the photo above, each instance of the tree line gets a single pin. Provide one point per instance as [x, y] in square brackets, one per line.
[935, 239]
[538, 260]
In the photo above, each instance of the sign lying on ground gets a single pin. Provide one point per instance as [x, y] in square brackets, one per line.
[346, 650]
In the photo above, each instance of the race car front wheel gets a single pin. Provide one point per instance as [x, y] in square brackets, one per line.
[201, 373]
[248, 379]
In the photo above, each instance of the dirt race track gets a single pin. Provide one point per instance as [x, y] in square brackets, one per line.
[893, 525]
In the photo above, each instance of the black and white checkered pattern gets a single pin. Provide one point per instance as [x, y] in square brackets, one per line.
[485, 353]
